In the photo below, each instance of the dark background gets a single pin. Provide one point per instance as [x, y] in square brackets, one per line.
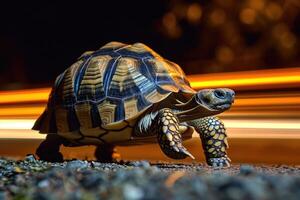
[38, 40]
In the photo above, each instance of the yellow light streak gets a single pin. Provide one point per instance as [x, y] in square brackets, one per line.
[21, 111]
[15, 128]
[17, 124]
[263, 124]
[261, 78]
[277, 78]
[20, 134]
[36, 110]
[23, 96]
[246, 82]
[268, 101]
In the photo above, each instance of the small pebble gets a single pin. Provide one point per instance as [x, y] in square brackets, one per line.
[142, 163]
[77, 164]
[43, 184]
[78, 179]
[246, 170]
[132, 192]
[30, 158]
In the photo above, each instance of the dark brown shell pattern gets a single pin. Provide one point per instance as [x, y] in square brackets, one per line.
[112, 84]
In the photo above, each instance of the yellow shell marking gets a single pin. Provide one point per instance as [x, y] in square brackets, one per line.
[107, 112]
[61, 120]
[93, 76]
[84, 115]
[155, 96]
[68, 81]
[130, 108]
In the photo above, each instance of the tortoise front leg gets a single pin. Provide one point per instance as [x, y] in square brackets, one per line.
[214, 140]
[168, 135]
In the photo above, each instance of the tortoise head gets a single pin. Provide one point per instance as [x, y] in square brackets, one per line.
[219, 99]
[205, 103]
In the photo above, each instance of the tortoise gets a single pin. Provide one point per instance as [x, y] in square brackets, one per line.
[129, 95]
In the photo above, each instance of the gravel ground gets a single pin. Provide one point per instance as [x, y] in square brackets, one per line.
[77, 179]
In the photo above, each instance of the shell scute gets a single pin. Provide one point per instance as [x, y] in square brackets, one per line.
[116, 83]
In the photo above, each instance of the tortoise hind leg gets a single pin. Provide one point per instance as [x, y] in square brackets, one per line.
[49, 149]
[169, 137]
[214, 140]
[104, 153]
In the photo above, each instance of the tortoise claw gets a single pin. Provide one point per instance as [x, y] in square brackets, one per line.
[176, 150]
[186, 152]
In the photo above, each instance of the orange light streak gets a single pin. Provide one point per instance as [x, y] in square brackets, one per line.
[21, 111]
[36, 110]
[268, 101]
[278, 78]
[246, 82]
[257, 128]
[24, 96]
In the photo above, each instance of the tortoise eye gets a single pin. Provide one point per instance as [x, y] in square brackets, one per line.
[220, 94]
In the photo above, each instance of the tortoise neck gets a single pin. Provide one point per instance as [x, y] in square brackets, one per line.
[192, 110]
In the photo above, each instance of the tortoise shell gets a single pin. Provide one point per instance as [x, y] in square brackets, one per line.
[115, 83]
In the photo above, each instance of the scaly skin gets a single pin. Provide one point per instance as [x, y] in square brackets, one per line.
[169, 137]
[214, 140]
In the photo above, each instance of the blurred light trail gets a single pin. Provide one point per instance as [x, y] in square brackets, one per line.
[267, 79]
[268, 101]
[33, 110]
[16, 123]
[257, 128]
[20, 134]
[262, 124]
[24, 96]
[253, 81]
[273, 115]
